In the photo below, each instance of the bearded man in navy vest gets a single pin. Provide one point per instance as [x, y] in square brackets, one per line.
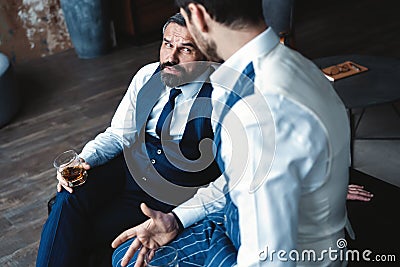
[163, 128]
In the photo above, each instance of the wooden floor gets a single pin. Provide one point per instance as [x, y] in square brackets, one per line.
[67, 101]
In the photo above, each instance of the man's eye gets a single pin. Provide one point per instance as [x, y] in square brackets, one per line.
[186, 50]
[169, 45]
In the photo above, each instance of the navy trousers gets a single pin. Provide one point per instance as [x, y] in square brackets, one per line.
[203, 244]
[92, 216]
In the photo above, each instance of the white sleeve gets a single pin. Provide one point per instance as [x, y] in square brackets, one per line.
[122, 130]
[206, 201]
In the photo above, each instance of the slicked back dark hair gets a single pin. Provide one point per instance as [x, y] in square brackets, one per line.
[231, 13]
[177, 18]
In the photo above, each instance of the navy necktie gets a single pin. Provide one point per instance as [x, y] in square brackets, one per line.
[243, 87]
[165, 116]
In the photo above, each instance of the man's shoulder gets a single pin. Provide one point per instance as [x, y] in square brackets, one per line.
[143, 75]
[148, 70]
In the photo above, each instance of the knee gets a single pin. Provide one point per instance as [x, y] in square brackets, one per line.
[65, 197]
[64, 200]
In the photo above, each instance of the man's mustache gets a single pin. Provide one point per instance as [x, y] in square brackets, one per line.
[171, 64]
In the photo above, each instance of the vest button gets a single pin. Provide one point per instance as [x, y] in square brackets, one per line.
[153, 161]
[159, 151]
[144, 178]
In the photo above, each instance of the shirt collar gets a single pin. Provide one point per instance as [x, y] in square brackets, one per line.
[250, 52]
[190, 90]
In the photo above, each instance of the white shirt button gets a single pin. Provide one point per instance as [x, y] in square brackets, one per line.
[153, 161]
[159, 151]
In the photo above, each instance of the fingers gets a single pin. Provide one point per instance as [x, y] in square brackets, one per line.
[362, 193]
[141, 256]
[69, 189]
[135, 246]
[357, 189]
[123, 237]
[355, 186]
[358, 197]
[357, 192]
[148, 211]
[62, 184]
[86, 166]
[61, 180]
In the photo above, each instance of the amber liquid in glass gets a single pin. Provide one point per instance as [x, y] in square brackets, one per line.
[74, 175]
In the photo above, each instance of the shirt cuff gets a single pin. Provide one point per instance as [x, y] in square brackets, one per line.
[89, 158]
[188, 216]
[180, 225]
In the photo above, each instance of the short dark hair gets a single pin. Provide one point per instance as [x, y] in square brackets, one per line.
[177, 18]
[231, 13]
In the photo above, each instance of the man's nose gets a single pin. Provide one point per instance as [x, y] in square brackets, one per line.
[172, 56]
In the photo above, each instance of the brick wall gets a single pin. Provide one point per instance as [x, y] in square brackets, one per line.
[32, 28]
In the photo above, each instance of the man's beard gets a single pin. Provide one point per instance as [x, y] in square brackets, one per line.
[172, 80]
[183, 77]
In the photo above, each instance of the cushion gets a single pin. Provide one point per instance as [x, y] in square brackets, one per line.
[4, 64]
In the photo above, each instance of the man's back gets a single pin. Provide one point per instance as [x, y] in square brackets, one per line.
[288, 168]
[318, 124]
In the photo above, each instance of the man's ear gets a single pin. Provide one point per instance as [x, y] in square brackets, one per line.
[199, 17]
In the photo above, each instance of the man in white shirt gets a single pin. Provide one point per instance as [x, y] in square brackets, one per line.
[284, 149]
[87, 218]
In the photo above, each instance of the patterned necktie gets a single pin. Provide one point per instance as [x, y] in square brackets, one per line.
[243, 87]
[165, 116]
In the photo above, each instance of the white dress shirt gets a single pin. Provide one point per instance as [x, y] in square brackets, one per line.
[290, 181]
[122, 130]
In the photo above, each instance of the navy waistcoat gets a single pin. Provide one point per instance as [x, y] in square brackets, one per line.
[154, 164]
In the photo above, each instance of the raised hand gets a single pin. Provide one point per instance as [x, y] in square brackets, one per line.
[157, 231]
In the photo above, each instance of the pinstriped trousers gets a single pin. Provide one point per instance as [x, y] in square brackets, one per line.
[203, 244]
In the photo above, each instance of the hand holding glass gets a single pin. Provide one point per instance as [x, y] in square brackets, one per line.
[69, 165]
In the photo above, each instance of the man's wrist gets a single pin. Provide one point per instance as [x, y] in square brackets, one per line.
[178, 221]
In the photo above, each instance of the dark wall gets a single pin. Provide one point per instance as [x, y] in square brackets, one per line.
[325, 28]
